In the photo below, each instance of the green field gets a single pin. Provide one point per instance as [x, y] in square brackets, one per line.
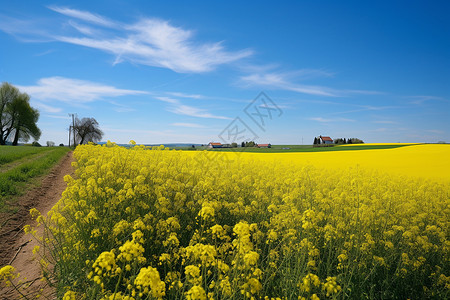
[21, 165]
[302, 148]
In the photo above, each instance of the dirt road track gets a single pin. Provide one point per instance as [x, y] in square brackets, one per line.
[15, 247]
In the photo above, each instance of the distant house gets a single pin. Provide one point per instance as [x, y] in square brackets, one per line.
[326, 140]
[215, 145]
[263, 145]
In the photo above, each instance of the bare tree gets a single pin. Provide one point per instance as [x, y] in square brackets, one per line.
[87, 130]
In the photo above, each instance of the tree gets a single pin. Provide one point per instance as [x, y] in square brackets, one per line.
[25, 124]
[87, 130]
[50, 144]
[243, 144]
[17, 117]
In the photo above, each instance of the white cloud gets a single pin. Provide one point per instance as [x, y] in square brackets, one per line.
[149, 41]
[184, 95]
[63, 117]
[329, 120]
[418, 100]
[73, 91]
[83, 15]
[177, 107]
[287, 81]
[385, 122]
[86, 30]
[282, 81]
[45, 107]
[194, 112]
[436, 131]
[190, 125]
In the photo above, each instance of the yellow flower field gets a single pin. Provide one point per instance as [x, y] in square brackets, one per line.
[157, 224]
[419, 161]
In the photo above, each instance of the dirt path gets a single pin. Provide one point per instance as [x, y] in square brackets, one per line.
[16, 248]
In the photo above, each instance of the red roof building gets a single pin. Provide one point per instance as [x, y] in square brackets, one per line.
[263, 145]
[326, 140]
[215, 145]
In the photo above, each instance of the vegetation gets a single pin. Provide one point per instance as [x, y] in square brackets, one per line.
[9, 153]
[140, 224]
[87, 130]
[27, 163]
[17, 118]
[308, 148]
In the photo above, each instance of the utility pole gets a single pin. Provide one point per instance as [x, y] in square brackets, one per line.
[73, 128]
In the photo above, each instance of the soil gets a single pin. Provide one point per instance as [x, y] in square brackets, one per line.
[16, 247]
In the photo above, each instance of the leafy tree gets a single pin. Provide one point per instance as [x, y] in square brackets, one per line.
[61, 145]
[233, 145]
[25, 124]
[87, 130]
[17, 117]
[243, 144]
[50, 144]
[355, 141]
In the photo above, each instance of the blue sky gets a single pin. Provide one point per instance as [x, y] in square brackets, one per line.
[193, 73]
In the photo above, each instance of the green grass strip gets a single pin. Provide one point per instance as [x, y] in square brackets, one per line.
[11, 153]
[13, 182]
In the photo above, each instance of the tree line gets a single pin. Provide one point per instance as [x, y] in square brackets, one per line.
[317, 141]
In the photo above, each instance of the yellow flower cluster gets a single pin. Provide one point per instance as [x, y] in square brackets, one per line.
[7, 274]
[152, 223]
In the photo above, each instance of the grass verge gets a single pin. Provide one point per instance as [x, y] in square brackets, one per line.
[12, 153]
[14, 182]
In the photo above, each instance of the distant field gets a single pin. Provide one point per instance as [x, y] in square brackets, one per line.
[427, 161]
[307, 148]
[19, 165]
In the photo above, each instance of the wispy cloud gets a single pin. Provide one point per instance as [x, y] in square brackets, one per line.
[282, 81]
[190, 125]
[148, 41]
[185, 95]
[73, 91]
[418, 100]
[384, 122]
[62, 117]
[289, 81]
[119, 107]
[329, 120]
[83, 15]
[45, 107]
[177, 107]
[436, 131]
